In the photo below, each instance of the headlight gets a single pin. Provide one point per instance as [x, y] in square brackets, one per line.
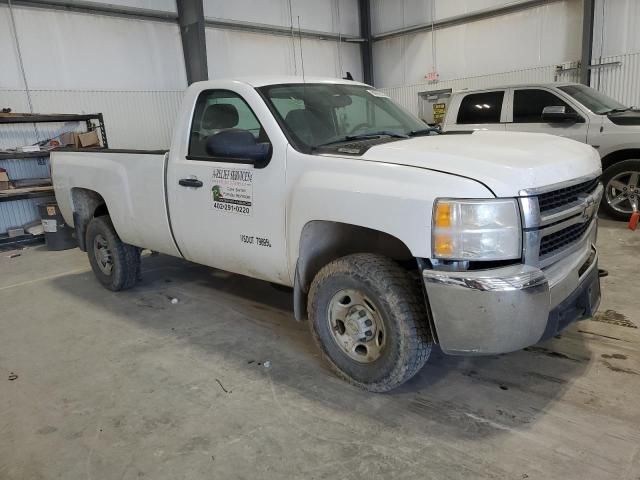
[476, 229]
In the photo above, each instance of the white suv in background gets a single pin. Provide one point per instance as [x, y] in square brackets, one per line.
[569, 110]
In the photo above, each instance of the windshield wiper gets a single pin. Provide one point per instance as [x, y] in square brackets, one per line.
[364, 136]
[424, 131]
[617, 110]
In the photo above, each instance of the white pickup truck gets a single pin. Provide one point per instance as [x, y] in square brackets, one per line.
[392, 236]
[570, 110]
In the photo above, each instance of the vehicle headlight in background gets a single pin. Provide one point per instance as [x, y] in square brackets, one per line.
[476, 229]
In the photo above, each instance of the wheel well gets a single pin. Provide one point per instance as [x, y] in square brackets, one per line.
[87, 204]
[620, 155]
[321, 242]
[101, 210]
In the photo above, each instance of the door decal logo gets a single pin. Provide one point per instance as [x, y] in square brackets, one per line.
[217, 194]
[232, 190]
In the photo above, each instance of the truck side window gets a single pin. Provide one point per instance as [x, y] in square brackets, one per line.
[481, 108]
[218, 110]
[528, 105]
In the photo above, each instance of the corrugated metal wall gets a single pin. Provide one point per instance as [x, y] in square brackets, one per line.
[19, 212]
[133, 119]
[615, 29]
[21, 134]
[622, 81]
[548, 34]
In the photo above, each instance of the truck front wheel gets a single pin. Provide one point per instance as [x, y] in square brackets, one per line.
[114, 263]
[369, 320]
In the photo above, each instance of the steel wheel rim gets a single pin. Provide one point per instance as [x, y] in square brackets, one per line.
[621, 190]
[356, 326]
[102, 254]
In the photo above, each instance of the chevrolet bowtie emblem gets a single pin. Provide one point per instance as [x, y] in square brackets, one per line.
[589, 210]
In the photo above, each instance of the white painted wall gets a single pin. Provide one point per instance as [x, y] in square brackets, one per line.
[616, 29]
[78, 51]
[546, 35]
[234, 53]
[337, 16]
[389, 15]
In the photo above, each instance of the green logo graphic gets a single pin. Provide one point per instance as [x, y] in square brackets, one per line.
[217, 194]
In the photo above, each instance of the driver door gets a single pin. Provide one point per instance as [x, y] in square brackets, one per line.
[528, 104]
[225, 212]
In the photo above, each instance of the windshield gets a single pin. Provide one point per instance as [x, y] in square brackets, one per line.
[592, 99]
[319, 114]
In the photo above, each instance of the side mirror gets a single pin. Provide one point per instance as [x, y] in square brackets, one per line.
[559, 114]
[239, 146]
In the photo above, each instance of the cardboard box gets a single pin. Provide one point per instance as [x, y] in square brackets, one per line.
[5, 184]
[89, 139]
[68, 138]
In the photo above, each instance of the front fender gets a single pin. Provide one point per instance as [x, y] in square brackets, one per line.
[390, 198]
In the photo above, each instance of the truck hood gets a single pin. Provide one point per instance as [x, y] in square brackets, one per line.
[506, 162]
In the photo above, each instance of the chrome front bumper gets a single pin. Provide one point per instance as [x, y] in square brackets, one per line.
[506, 309]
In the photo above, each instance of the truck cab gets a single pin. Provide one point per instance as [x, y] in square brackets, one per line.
[568, 110]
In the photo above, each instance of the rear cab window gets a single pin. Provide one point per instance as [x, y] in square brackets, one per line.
[478, 108]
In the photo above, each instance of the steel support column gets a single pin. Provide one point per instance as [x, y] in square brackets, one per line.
[366, 47]
[587, 41]
[194, 47]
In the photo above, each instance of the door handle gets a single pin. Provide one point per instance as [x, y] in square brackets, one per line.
[190, 182]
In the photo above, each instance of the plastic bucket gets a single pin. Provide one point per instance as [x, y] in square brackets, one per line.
[57, 234]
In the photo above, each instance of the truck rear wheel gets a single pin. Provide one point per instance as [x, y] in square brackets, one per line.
[621, 186]
[369, 320]
[114, 263]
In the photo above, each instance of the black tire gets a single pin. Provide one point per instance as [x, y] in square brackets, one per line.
[400, 305]
[124, 258]
[608, 175]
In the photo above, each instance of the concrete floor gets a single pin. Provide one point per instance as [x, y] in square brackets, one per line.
[128, 385]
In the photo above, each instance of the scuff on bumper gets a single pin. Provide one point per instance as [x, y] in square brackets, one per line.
[506, 309]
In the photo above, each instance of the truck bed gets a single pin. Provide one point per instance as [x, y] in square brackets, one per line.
[132, 184]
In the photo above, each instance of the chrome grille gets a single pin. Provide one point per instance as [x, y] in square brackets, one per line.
[559, 220]
[562, 238]
[565, 196]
